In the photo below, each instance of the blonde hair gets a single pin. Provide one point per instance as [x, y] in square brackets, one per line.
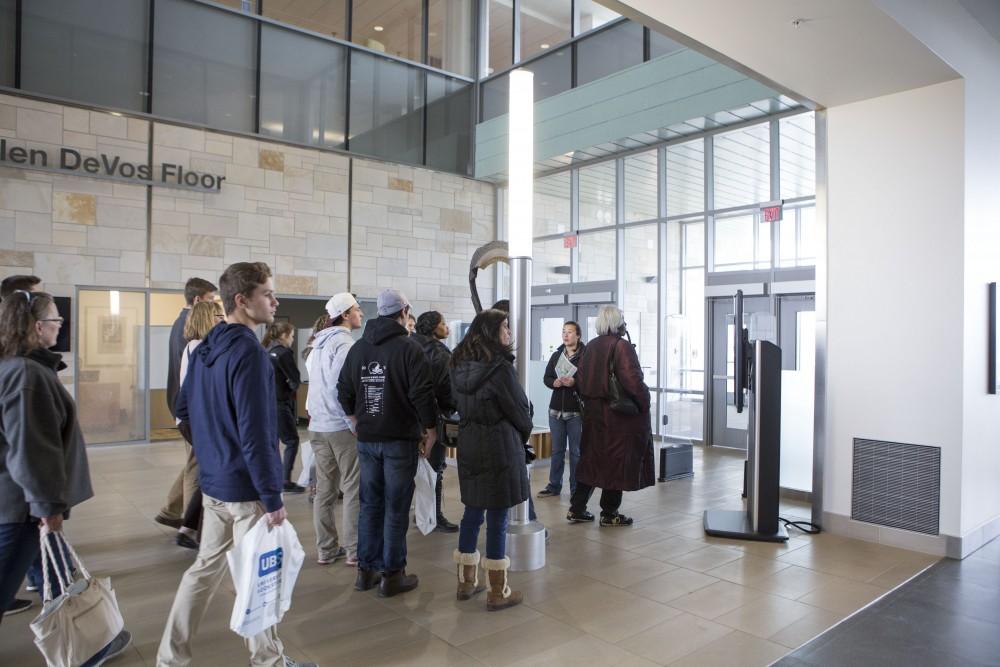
[202, 319]
[609, 320]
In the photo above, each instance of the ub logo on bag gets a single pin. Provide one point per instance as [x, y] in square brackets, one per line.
[270, 562]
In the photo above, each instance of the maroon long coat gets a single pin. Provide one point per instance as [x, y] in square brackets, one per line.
[615, 450]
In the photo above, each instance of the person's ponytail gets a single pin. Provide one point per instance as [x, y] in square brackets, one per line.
[18, 314]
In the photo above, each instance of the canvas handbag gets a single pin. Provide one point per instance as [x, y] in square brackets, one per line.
[264, 566]
[618, 400]
[76, 625]
[424, 497]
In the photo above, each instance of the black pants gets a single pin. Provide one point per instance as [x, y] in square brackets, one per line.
[288, 433]
[610, 500]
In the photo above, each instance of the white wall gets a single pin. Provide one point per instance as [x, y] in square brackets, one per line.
[958, 39]
[895, 279]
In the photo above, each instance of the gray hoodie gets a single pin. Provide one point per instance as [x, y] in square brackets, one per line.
[43, 460]
[330, 348]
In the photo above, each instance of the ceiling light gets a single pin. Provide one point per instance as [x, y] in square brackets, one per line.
[378, 28]
[544, 46]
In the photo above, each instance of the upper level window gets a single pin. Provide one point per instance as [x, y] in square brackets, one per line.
[327, 17]
[590, 15]
[451, 36]
[389, 26]
[544, 24]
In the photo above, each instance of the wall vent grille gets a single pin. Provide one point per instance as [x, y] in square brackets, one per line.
[897, 485]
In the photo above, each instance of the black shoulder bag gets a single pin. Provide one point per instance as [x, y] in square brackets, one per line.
[618, 400]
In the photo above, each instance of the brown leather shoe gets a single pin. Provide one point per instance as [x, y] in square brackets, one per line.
[394, 583]
[367, 579]
[499, 596]
[468, 575]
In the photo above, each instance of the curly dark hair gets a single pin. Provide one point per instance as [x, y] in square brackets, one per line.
[428, 322]
[482, 342]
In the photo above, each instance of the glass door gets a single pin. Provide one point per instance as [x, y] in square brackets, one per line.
[797, 335]
[729, 428]
[111, 387]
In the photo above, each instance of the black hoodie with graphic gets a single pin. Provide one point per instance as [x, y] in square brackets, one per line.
[386, 384]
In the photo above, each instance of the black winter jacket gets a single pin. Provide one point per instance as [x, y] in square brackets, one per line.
[386, 384]
[439, 357]
[564, 399]
[495, 424]
[286, 372]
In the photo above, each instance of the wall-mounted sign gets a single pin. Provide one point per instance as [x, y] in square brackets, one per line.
[70, 160]
[771, 211]
[569, 241]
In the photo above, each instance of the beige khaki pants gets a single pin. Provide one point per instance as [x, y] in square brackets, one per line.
[224, 525]
[337, 469]
[183, 487]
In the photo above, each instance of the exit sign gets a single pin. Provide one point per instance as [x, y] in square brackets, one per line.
[569, 241]
[771, 212]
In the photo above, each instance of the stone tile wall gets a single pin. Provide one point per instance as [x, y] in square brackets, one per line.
[410, 228]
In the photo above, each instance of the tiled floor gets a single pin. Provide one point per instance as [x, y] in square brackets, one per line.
[946, 616]
[660, 592]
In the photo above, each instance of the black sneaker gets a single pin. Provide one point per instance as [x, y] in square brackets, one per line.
[292, 487]
[616, 520]
[445, 526]
[17, 606]
[547, 493]
[185, 541]
[582, 517]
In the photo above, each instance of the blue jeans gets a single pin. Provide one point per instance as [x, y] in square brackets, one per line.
[496, 531]
[387, 472]
[18, 548]
[564, 431]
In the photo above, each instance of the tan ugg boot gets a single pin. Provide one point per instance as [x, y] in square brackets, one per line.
[499, 595]
[468, 575]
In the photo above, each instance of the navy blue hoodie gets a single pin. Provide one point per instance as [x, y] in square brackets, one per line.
[228, 398]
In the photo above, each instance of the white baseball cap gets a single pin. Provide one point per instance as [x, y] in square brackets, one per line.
[340, 303]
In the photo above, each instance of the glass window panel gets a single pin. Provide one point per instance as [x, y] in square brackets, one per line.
[807, 236]
[597, 256]
[694, 244]
[685, 415]
[551, 204]
[597, 195]
[8, 29]
[660, 45]
[248, 6]
[742, 166]
[204, 65]
[449, 123]
[686, 177]
[389, 26]
[386, 108]
[640, 187]
[608, 51]
[451, 41]
[302, 88]
[683, 364]
[87, 51]
[494, 97]
[327, 17]
[787, 239]
[734, 243]
[591, 15]
[762, 260]
[553, 74]
[110, 366]
[549, 262]
[501, 35]
[797, 146]
[641, 261]
[544, 23]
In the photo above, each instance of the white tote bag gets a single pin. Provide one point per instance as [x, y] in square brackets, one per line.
[424, 497]
[308, 457]
[264, 566]
[73, 627]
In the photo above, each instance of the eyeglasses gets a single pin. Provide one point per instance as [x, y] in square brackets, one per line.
[60, 320]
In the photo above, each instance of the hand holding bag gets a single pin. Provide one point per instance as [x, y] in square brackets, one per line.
[74, 627]
[264, 565]
[618, 399]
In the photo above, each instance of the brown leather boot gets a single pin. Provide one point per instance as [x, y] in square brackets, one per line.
[499, 595]
[468, 575]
